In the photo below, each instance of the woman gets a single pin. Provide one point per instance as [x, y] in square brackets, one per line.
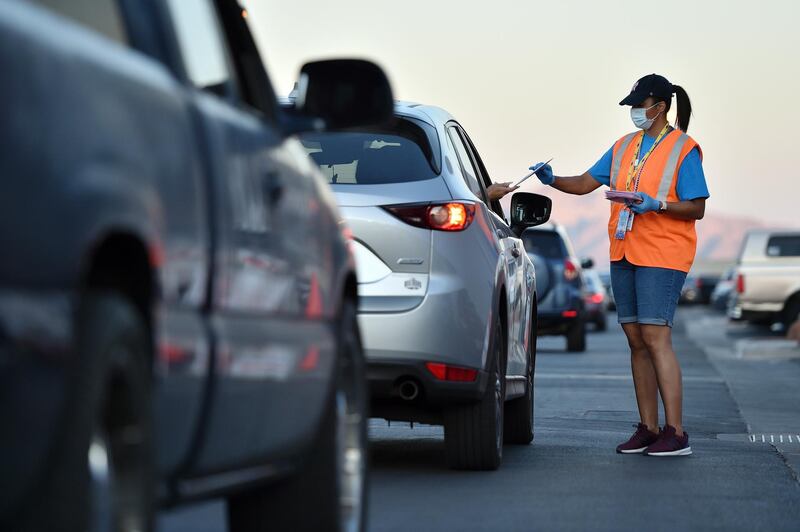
[653, 245]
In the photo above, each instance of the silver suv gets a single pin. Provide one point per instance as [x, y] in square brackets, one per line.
[768, 277]
[447, 294]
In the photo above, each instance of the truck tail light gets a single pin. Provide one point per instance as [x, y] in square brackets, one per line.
[570, 270]
[444, 372]
[740, 284]
[451, 216]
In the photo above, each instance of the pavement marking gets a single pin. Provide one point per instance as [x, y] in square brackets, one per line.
[626, 377]
[771, 438]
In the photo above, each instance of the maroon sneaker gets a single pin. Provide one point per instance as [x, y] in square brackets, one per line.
[669, 444]
[638, 443]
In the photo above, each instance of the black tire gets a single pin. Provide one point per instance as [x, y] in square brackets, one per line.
[109, 417]
[576, 337]
[518, 415]
[321, 480]
[792, 312]
[473, 433]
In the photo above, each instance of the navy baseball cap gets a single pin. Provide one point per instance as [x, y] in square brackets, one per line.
[650, 85]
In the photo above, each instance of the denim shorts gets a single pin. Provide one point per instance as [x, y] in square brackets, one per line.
[644, 294]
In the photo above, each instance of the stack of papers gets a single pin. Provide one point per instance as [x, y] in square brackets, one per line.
[622, 197]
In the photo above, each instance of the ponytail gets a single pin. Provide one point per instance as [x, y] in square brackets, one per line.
[684, 108]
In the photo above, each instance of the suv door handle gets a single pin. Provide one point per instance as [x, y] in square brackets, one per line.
[515, 252]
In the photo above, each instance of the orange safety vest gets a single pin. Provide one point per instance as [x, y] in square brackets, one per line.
[657, 240]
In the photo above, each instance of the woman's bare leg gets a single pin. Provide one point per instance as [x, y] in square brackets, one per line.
[644, 376]
[658, 340]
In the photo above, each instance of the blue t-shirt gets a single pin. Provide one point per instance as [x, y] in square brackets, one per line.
[691, 179]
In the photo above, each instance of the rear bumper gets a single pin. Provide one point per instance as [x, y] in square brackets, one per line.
[555, 323]
[35, 356]
[385, 378]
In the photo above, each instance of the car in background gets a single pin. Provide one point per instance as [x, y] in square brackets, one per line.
[595, 299]
[178, 321]
[690, 293]
[560, 285]
[724, 290]
[768, 278]
[705, 284]
[447, 295]
[605, 277]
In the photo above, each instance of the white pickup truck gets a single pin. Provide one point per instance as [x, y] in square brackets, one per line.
[768, 277]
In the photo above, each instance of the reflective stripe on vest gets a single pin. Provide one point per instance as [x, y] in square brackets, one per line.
[617, 160]
[668, 175]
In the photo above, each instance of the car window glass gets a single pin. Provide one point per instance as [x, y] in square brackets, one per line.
[546, 244]
[102, 16]
[784, 246]
[199, 36]
[399, 153]
[467, 168]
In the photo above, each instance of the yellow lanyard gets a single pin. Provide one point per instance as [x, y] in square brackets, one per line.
[638, 162]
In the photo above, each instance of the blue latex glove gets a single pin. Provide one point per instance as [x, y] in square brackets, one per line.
[648, 204]
[545, 174]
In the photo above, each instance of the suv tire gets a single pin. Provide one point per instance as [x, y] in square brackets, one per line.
[473, 433]
[334, 477]
[576, 337]
[518, 416]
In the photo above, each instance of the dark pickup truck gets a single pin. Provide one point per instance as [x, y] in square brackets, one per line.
[177, 297]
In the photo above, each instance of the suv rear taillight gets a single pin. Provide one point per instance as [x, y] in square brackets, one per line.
[446, 372]
[570, 270]
[740, 284]
[451, 216]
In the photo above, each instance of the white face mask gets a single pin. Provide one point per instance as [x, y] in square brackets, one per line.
[639, 117]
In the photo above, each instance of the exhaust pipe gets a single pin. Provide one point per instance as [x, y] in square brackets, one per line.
[409, 390]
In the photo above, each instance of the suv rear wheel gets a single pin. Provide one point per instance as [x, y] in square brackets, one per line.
[576, 336]
[473, 433]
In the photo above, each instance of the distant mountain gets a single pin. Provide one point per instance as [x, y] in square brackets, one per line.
[586, 219]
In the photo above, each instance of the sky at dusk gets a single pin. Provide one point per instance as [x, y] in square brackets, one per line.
[534, 80]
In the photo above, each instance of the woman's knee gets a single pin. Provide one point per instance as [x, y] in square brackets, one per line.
[655, 338]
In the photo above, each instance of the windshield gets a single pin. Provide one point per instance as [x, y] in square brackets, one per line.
[408, 150]
[546, 244]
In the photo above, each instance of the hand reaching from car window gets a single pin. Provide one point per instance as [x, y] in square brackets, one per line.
[498, 190]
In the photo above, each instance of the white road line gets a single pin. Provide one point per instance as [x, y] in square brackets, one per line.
[790, 438]
[607, 377]
[763, 439]
[752, 438]
[781, 438]
[772, 438]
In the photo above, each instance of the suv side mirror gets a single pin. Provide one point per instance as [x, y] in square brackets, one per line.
[587, 264]
[529, 210]
[341, 94]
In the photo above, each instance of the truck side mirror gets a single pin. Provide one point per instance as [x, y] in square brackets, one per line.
[341, 94]
[529, 210]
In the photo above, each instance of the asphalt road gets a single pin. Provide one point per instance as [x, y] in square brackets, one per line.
[570, 478]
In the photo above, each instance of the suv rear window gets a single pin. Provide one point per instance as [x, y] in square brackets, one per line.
[784, 246]
[546, 244]
[408, 150]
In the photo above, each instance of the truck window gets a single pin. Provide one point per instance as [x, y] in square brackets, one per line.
[199, 35]
[783, 246]
[102, 16]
